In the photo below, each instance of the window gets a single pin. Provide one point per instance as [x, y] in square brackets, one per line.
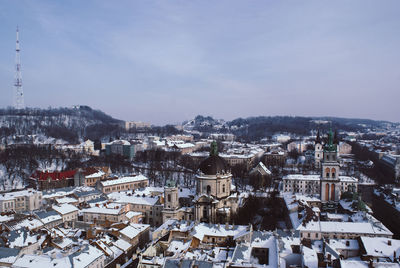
[223, 188]
[169, 198]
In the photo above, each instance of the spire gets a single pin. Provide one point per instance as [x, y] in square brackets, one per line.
[318, 139]
[335, 138]
[330, 146]
[214, 148]
[330, 137]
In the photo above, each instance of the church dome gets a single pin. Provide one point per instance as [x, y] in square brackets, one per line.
[213, 165]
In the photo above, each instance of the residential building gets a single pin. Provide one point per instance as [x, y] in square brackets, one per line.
[107, 212]
[19, 201]
[123, 184]
[69, 213]
[122, 148]
[315, 230]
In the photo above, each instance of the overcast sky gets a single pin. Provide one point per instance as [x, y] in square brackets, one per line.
[167, 61]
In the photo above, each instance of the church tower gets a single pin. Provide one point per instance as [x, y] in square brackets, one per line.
[330, 182]
[318, 155]
[171, 201]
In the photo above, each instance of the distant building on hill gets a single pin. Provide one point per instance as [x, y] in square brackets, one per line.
[122, 148]
[136, 125]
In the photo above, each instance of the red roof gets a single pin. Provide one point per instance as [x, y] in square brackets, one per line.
[58, 175]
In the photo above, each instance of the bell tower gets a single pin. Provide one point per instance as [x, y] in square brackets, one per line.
[330, 183]
[319, 153]
[171, 200]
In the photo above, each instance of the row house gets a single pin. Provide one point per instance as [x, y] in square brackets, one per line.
[150, 207]
[123, 184]
[108, 212]
[69, 213]
[19, 201]
[315, 230]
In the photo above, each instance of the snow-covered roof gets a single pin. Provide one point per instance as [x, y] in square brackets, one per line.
[131, 214]
[348, 244]
[124, 180]
[30, 223]
[64, 209]
[310, 257]
[348, 179]
[302, 177]
[65, 200]
[8, 255]
[85, 257]
[103, 210]
[119, 142]
[95, 175]
[203, 229]
[43, 261]
[122, 244]
[361, 228]
[133, 199]
[133, 230]
[13, 195]
[178, 246]
[48, 216]
[381, 247]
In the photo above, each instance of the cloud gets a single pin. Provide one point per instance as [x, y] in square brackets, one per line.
[165, 61]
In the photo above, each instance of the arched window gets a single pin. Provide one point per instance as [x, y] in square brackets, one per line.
[223, 188]
[333, 192]
[169, 198]
[327, 171]
[333, 171]
[327, 192]
[208, 189]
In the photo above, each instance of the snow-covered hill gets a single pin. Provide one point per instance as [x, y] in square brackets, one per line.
[70, 124]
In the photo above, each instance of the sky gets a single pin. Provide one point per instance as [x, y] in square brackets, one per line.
[168, 61]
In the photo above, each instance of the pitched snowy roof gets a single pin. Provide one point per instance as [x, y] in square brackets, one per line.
[361, 228]
[48, 216]
[103, 210]
[85, 257]
[65, 208]
[124, 180]
[203, 229]
[133, 230]
[381, 247]
[12, 195]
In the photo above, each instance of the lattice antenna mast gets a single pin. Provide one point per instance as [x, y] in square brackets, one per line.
[18, 92]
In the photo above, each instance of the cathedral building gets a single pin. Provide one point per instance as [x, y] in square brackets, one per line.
[214, 201]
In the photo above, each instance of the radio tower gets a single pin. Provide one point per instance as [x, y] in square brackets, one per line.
[18, 92]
